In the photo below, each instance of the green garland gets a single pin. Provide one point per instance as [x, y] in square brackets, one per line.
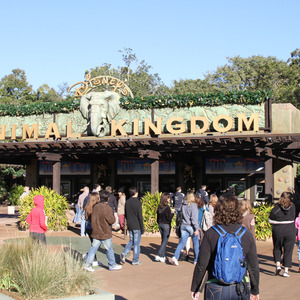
[166, 101]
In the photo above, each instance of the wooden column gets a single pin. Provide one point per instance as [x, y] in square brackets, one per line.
[154, 176]
[269, 180]
[56, 177]
[154, 156]
[55, 159]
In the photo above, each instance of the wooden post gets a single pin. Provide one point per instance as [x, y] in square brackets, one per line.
[154, 156]
[56, 177]
[269, 181]
[154, 176]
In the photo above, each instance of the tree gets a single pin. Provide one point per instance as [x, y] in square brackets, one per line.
[14, 88]
[46, 94]
[192, 86]
[139, 79]
[258, 73]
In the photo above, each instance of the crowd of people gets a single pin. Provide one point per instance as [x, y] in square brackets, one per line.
[206, 221]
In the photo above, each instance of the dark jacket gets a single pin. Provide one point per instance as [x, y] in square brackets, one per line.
[164, 215]
[112, 202]
[208, 252]
[178, 199]
[102, 219]
[204, 195]
[282, 220]
[133, 214]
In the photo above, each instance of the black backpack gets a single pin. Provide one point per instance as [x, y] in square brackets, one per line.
[179, 217]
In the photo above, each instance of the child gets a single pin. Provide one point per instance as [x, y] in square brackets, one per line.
[297, 224]
[37, 220]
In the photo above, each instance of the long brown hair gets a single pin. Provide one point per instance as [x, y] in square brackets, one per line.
[285, 200]
[93, 199]
[164, 200]
[228, 210]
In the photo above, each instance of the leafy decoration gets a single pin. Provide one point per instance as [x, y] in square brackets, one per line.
[166, 101]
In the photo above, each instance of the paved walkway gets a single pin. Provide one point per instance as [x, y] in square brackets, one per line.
[153, 280]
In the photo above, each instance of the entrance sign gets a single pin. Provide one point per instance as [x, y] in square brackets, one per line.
[143, 167]
[66, 168]
[90, 84]
[234, 165]
[101, 127]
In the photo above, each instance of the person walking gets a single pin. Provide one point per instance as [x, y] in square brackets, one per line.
[121, 207]
[189, 227]
[37, 220]
[82, 196]
[178, 198]
[134, 217]
[297, 225]
[164, 219]
[102, 219]
[229, 217]
[92, 201]
[203, 193]
[248, 216]
[282, 218]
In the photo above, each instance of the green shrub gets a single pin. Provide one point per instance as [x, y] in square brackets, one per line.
[15, 193]
[150, 204]
[263, 229]
[55, 208]
[37, 272]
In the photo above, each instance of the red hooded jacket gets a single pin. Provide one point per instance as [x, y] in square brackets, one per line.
[36, 218]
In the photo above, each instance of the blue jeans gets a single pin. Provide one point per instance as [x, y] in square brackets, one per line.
[135, 240]
[298, 242]
[165, 234]
[77, 215]
[186, 231]
[110, 255]
[216, 291]
[82, 226]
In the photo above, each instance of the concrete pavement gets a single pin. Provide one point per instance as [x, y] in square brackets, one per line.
[154, 280]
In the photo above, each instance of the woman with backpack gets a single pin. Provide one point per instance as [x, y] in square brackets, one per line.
[189, 227]
[228, 219]
[282, 218]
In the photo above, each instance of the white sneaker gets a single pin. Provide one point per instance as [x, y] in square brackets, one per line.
[89, 269]
[174, 261]
[84, 255]
[160, 259]
[115, 268]
[97, 263]
[286, 274]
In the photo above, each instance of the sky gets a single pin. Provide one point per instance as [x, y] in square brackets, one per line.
[56, 41]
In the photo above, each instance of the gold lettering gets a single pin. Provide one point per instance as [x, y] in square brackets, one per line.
[27, 132]
[136, 126]
[218, 128]
[194, 128]
[52, 130]
[13, 132]
[176, 128]
[119, 84]
[149, 125]
[124, 91]
[118, 127]
[254, 119]
[105, 80]
[69, 132]
[97, 81]
[112, 81]
[2, 133]
[81, 90]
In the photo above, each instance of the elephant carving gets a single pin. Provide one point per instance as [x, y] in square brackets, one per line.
[99, 108]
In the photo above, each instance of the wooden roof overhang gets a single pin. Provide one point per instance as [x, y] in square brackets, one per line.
[281, 146]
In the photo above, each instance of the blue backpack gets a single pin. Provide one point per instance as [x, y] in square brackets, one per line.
[229, 266]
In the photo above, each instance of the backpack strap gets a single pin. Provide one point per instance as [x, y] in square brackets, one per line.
[240, 232]
[219, 230]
